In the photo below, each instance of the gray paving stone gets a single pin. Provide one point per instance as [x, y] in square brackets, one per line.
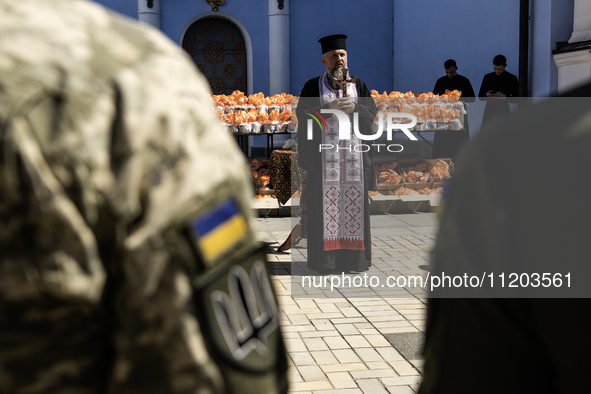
[337, 340]
[409, 344]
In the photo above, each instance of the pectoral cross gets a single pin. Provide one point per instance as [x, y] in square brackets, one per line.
[342, 83]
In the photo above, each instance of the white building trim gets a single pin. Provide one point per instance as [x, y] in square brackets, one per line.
[574, 69]
[582, 21]
[279, 63]
[148, 15]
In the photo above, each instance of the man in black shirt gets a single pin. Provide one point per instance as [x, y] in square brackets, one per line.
[454, 81]
[496, 87]
[448, 144]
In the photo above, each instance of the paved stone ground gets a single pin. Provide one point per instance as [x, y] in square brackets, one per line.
[335, 339]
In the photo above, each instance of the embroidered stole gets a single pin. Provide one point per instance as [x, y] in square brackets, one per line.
[342, 180]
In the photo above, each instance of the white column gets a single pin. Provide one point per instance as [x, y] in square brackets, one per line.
[574, 66]
[147, 14]
[279, 69]
[582, 21]
[574, 69]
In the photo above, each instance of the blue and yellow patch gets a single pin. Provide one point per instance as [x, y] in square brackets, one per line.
[220, 229]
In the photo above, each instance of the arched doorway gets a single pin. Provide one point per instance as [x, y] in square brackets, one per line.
[218, 49]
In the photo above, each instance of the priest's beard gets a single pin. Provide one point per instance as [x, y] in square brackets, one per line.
[336, 74]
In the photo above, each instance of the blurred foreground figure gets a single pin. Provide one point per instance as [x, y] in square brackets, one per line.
[127, 264]
[502, 219]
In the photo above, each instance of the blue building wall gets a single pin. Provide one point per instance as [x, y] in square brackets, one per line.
[428, 32]
[125, 7]
[369, 46]
[393, 44]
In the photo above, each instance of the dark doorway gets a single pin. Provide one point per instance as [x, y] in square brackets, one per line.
[218, 49]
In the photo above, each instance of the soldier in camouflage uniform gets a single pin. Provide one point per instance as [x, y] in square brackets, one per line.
[127, 262]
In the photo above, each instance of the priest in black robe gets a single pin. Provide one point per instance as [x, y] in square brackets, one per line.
[339, 170]
[497, 88]
[448, 144]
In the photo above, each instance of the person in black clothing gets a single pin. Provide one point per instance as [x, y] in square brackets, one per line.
[454, 81]
[496, 87]
[338, 227]
[448, 144]
[505, 338]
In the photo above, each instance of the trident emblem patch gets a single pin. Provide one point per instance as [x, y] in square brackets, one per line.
[247, 314]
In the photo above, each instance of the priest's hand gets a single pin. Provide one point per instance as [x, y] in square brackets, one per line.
[343, 104]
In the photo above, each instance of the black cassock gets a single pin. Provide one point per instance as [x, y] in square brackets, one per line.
[506, 83]
[447, 145]
[310, 159]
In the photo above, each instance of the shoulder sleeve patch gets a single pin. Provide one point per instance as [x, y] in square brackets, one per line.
[219, 229]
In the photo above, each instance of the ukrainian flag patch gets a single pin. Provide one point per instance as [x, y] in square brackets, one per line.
[220, 229]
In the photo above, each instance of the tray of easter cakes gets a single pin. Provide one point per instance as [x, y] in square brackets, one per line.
[255, 113]
[410, 180]
[433, 112]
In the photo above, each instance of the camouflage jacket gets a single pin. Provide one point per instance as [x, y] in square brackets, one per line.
[124, 218]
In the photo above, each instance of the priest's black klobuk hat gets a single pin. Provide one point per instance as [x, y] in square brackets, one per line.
[335, 41]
